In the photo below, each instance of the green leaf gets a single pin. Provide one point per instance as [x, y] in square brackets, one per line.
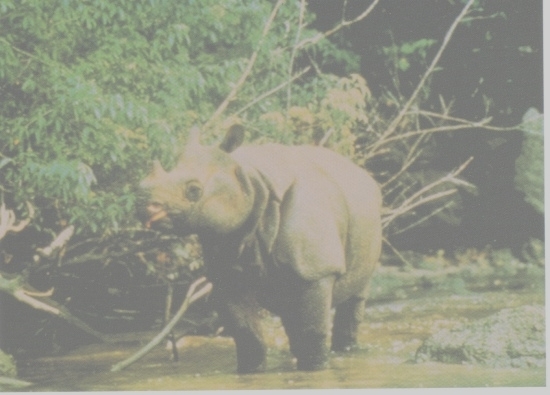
[403, 64]
[529, 177]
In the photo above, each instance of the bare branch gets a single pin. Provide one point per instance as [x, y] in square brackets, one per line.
[190, 298]
[406, 208]
[416, 199]
[425, 218]
[393, 125]
[475, 18]
[274, 90]
[300, 45]
[293, 54]
[18, 289]
[325, 138]
[318, 37]
[483, 123]
[7, 220]
[396, 252]
[439, 129]
[447, 178]
[59, 242]
[409, 161]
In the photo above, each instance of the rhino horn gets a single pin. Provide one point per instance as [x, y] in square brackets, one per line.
[157, 169]
[194, 137]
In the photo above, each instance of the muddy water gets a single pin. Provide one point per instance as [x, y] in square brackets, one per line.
[390, 335]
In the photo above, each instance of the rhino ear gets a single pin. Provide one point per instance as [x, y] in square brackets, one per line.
[233, 139]
[157, 169]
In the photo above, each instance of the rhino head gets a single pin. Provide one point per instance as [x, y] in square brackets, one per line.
[207, 191]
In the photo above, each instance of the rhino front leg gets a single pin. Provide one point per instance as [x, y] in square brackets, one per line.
[243, 324]
[307, 324]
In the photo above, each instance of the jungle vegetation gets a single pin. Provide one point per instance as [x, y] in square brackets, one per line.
[93, 91]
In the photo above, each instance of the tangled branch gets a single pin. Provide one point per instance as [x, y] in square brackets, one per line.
[298, 46]
[17, 286]
[191, 297]
[393, 125]
[419, 198]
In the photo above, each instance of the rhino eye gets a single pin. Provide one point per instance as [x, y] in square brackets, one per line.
[193, 191]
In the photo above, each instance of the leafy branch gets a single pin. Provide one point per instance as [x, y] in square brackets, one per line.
[297, 46]
[250, 64]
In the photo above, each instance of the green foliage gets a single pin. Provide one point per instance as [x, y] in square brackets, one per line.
[402, 55]
[7, 365]
[337, 113]
[92, 91]
[529, 177]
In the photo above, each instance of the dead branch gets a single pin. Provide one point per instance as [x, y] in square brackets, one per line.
[451, 177]
[190, 298]
[167, 310]
[484, 123]
[425, 218]
[396, 252]
[17, 287]
[406, 208]
[318, 37]
[102, 252]
[274, 90]
[325, 138]
[293, 55]
[395, 122]
[12, 383]
[417, 198]
[298, 46]
[59, 242]
[21, 291]
[409, 161]
[8, 220]
[372, 149]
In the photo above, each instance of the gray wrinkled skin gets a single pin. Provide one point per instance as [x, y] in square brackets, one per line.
[295, 230]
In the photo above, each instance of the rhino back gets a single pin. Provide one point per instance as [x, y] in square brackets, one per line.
[284, 165]
[330, 209]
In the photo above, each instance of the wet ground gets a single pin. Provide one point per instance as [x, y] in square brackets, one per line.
[390, 335]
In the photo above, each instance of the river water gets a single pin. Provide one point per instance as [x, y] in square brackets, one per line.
[390, 335]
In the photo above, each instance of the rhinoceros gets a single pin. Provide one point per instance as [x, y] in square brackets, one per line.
[292, 229]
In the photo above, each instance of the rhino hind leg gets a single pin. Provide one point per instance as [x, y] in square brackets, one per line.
[251, 353]
[307, 325]
[349, 315]
[308, 346]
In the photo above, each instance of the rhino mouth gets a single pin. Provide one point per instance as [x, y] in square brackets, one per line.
[168, 222]
[155, 218]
